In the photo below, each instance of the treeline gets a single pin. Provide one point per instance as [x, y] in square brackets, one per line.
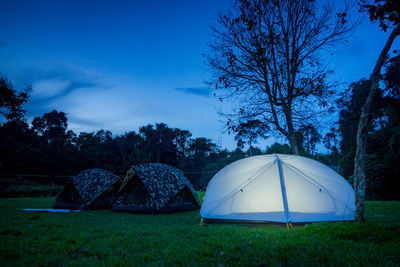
[48, 147]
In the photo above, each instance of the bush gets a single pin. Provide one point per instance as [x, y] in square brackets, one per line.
[25, 188]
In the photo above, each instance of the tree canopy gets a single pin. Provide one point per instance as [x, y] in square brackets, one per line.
[11, 101]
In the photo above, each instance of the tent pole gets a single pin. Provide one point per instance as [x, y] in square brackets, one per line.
[283, 189]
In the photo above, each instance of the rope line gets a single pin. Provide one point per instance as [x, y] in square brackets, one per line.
[5, 175]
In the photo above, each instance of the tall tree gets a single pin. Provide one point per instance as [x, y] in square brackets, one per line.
[250, 130]
[51, 126]
[387, 12]
[310, 137]
[182, 141]
[10, 101]
[55, 141]
[159, 143]
[129, 149]
[266, 59]
[18, 148]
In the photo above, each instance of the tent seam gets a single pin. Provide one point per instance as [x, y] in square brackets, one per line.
[315, 183]
[243, 185]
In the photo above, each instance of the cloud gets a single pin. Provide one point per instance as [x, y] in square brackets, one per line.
[55, 82]
[53, 72]
[53, 88]
[48, 88]
[200, 91]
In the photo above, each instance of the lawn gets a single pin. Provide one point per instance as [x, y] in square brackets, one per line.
[96, 238]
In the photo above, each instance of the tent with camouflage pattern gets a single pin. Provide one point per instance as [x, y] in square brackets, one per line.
[90, 189]
[156, 188]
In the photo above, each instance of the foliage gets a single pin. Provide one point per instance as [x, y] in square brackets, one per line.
[387, 12]
[251, 131]
[278, 149]
[39, 190]
[10, 101]
[47, 147]
[381, 158]
[391, 76]
[310, 137]
[20, 187]
[94, 238]
[350, 105]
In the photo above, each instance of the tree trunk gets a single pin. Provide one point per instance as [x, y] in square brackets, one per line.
[291, 133]
[293, 144]
[362, 131]
[250, 148]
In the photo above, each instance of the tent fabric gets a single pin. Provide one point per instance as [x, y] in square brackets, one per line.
[278, 188]
[156, 187]
[90, 189]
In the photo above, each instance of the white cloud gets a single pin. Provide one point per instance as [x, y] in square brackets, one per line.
[48, 88]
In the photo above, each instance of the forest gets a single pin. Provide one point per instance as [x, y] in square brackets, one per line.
[45, 146]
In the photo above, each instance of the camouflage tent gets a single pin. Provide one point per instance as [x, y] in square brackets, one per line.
[156, 188]
[91, 189]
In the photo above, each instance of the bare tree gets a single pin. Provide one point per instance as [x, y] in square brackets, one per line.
[388, 14]
[265, 58]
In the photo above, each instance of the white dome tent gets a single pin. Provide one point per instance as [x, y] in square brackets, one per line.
[278, 188]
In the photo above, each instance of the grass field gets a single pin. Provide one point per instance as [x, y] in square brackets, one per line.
[96, 238]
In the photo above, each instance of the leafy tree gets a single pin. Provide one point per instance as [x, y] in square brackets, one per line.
[55, 142]
[129, 149]
[253, 151]
[19, 148]
[331, 139]
[51, 124]
[331, 142]
[310, 137]
[278, 149]
[266, 59]
[392, 76]
[10, 101]
[159, 143]
[387, 12]
[201, 147]
[97, 150]
[250, 131]
[200, 151]
[182, 141]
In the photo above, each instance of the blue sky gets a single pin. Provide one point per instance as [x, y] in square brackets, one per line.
[118, 65]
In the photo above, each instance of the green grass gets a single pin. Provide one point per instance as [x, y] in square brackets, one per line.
[97, 238]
